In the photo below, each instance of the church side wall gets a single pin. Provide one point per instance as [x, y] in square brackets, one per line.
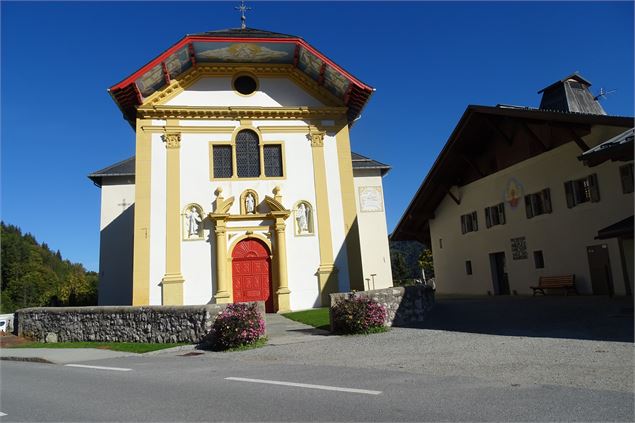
[157, 218]
[116, 241]
[373, 231]
[563, 235]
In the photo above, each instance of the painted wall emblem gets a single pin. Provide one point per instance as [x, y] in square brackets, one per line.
[514, 192]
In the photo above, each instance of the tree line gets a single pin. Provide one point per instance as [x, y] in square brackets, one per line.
[34, 276]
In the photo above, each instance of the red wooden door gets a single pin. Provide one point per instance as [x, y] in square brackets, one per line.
[251, 273]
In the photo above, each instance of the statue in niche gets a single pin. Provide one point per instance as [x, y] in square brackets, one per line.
[250, 204]
[193, 219]
[302, 217]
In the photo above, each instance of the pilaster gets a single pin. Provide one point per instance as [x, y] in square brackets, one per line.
[172, 282]
[351, 226]
[141, 252]
[327, 272]
[283, 292]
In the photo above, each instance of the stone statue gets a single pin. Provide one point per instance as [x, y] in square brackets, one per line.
[302, 217]
[193, 219]
[250, 204]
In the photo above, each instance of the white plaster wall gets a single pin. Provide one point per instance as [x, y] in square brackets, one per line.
[198, 257]
[562, 235]
[373, 233]
[116, 241]
[218, 92]
[336, 212]
[157, 218]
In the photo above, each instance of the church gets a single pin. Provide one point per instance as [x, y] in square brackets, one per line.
[243, 186]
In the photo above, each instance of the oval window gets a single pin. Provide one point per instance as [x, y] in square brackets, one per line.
[245, 84]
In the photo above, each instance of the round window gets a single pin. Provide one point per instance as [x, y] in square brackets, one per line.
[245, 84]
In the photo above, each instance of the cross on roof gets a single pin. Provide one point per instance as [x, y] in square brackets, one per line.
[242, 8]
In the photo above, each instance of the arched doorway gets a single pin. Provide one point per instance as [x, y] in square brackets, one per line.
[251, 273]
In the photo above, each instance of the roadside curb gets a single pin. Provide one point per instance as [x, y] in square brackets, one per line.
[28, 359]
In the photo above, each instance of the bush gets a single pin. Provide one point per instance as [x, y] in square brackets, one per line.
[358, 315]
[238, 325]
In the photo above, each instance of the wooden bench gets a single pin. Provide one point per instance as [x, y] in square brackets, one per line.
[565, 282]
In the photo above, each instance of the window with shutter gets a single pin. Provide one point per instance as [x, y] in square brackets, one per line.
[546, 200]
[223, 166]
[626, 175]
[594, 188]
[488, 218]
[501, 213]
[568, 190]
[247, 154]
[528, 209]
[474, 221]
[273, 160]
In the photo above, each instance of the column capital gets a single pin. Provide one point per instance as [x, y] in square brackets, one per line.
[316, 137]
[172, 140]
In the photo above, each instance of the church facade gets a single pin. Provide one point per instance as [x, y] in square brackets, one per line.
[243, 186]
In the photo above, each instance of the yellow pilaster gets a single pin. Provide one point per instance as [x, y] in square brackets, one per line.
[327, 272]
[351, 227]
[283, 292]
[172, 282]
[222, 291]
[141, 254]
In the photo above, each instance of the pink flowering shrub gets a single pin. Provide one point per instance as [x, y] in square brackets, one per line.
[358, 315]
[239, 324]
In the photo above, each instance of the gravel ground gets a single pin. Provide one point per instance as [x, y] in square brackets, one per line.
[505, 359]
[579, 341]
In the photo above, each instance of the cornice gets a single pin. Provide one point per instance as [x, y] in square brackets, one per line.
[255, 113]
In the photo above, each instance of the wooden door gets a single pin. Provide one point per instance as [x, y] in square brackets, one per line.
[251, 273]
[600, 269]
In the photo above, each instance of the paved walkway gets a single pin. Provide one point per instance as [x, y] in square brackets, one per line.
[59, 355]
[282, 331]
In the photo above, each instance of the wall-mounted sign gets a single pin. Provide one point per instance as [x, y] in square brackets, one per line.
[370, 199]
[519, 248]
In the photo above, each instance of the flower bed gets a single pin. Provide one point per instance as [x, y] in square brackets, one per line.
[358, 315]
[238, 325]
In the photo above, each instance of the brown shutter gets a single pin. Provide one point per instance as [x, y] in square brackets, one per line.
[528, 208]
[463, 226]
[594, 188]
[546, 200]
[501, 213]
[488, 219]
[568, 190]
[474, 221]
[626, 174]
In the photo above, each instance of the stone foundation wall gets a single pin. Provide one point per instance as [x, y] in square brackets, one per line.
[407, 306]
[162, 324]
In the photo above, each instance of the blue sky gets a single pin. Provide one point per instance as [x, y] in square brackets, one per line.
[428, 61]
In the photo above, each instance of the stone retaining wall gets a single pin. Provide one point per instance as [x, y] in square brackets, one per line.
[407, 306]
[162, 324]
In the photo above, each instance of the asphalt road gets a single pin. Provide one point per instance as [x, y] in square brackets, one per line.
[173, 387]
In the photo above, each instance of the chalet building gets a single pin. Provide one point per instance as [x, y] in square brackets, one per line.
[520, 192]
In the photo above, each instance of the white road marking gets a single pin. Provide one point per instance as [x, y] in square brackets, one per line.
[305, 385]
[118, 369]
[2, 414]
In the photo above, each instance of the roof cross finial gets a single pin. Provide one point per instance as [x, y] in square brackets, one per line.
[242, 8]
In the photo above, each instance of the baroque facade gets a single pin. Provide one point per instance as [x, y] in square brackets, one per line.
[243, 186]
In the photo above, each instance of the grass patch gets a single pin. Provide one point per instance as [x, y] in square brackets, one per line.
[259, 343]
[133, 347]
[316, 317]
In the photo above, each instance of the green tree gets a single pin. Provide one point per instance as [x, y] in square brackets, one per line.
[425, 262]
[398, 265]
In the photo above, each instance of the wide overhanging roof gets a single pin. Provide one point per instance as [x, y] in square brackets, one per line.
[245, 46]
[474, 137]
